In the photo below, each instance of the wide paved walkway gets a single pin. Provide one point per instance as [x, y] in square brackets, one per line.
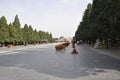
[43, 62]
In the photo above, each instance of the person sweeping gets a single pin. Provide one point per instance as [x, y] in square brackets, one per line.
[73, 46]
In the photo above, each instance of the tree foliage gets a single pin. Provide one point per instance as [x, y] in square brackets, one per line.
[101, 20]
[3, 30]
[15, 34]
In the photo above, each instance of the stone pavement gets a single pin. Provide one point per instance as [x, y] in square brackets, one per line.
[2, 49]
[21, 47]
[25, 70]
[114, 52]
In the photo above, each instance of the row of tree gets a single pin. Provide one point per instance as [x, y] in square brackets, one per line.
[13, 33]
[101, 20]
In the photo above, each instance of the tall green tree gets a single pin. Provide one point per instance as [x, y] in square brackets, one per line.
[12, 33]
[26, 33]
[4, 35]
[17, 25]
[83, 30]
[100, 20]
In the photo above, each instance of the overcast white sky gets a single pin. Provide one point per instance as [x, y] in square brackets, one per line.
[59, 17]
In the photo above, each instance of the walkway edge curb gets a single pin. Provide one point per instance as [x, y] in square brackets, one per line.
[103, 52]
